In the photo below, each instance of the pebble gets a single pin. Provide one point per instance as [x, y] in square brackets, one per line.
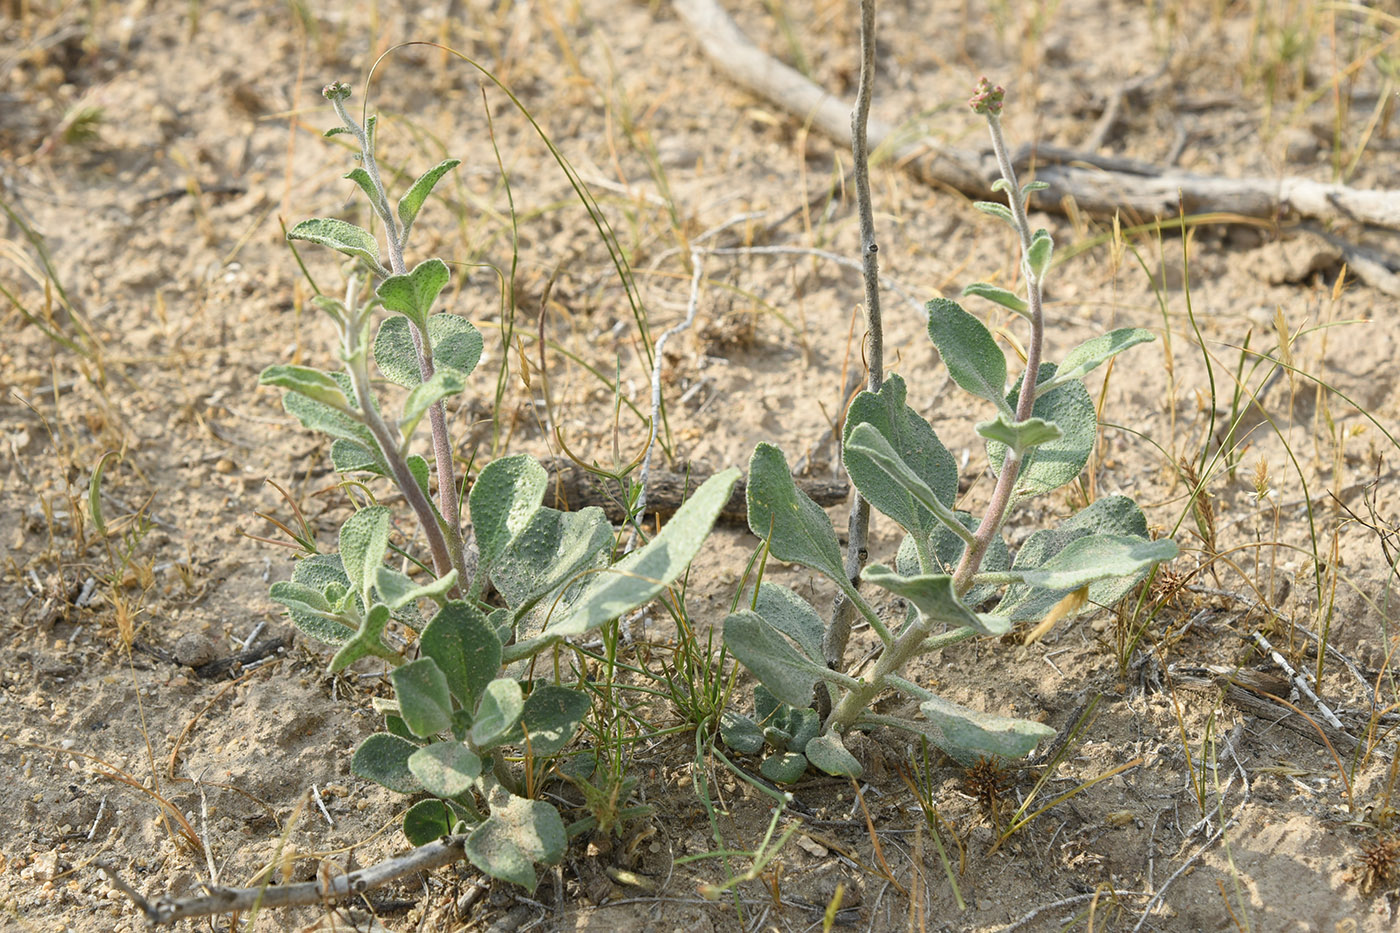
[195, 649]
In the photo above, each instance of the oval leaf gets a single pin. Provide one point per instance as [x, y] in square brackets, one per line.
[968, 735]
[424, 700]
[428, 821]
[552, 717]
[443, 383]
[1084, 358]
[456, 344]
[498, 713]
[410, 204]
[1009, 300]
[383, 758]
[446, 769]
[828, 753]
[304, 380]
[504, 497]
[363, 540]
[1055, 463]
[968, 350]
[771, 658]
[465, 647]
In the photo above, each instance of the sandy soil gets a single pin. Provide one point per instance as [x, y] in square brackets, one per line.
[162, 227]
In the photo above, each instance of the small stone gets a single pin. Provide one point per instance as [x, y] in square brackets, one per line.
[225, 465]
[1299, 145]
[194, 650]
[46, 866]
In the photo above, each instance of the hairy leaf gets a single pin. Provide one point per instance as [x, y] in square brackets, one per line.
[424, 701]
[412, 294]
[787, 673]
[795, 527]
[447, 769]
[465, 647]
[829, 753]
[455, 343]
[498, 713]
[968, 350]
[353, 241]
[518, 834]
[412, 202]
[383, 758]
[1054, 463]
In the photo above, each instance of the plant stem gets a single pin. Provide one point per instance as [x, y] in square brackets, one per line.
[995, 514]
[839, 632]
[437, 415]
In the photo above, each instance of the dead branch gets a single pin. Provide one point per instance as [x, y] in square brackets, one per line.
[222, 900]
[1097, 185]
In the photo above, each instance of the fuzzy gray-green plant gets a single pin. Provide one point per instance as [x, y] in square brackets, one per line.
[461, 710]
[1039, 438]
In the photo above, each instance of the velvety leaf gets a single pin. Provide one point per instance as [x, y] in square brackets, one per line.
[1007, 299]
[552, 549]
[1058, 462]
[1086, 357]
[1038, 256]
[316, 573]
[366, 642]
[337, 424]
[428, 821]
[446, 769]
[498, 713]
[995, 209]
[354, 457]
[788, 675]
[1019, 435]
[916, 445]
[343, 237]
[933, 595]
[362, 178]
[1096, 557]
[795, 527]
[785, 768]
[412, 202]
[641, 575]
[424, 700]
[1110, 515]
[968, 350]
[465, 647]
[383, 758]
[867, 449]
[363, 540]
[313, 383]
[412, 294]
[947, 549]
[397, 590]
[967, 735]
[828, 753]
[518, 834]
[790, 614]
[443, 383]
[552, 717]
[503, 499]
[740, 733]
[455, 343]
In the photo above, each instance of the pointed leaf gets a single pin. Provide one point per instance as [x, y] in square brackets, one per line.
[771, 658]
[995, 209]
[518, 834]
[1020, 436]
[1038, 256]
[366, 642]
[445, 769]
[1058, 462]
[465, 647]
[354, 457]
[383, 758]
[503, 499]
[498, 713]
[1007, 299]
[1111, 515]
[829, 753]
[363, 540]
[1086, 357]
[641, 575]
[343, 237]
[413, 293]
[338, 424]
[456, 344]
[1097, 557]
[868, 446]
[361, 177]
[795, 527]
[917, 446]
[396, 589]
[410, 204]
[313, 383]
[552, 717]
[968, 350]
[444, 382]
[947, 549]
[967, 735]
[424, 701]
[933, 595]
